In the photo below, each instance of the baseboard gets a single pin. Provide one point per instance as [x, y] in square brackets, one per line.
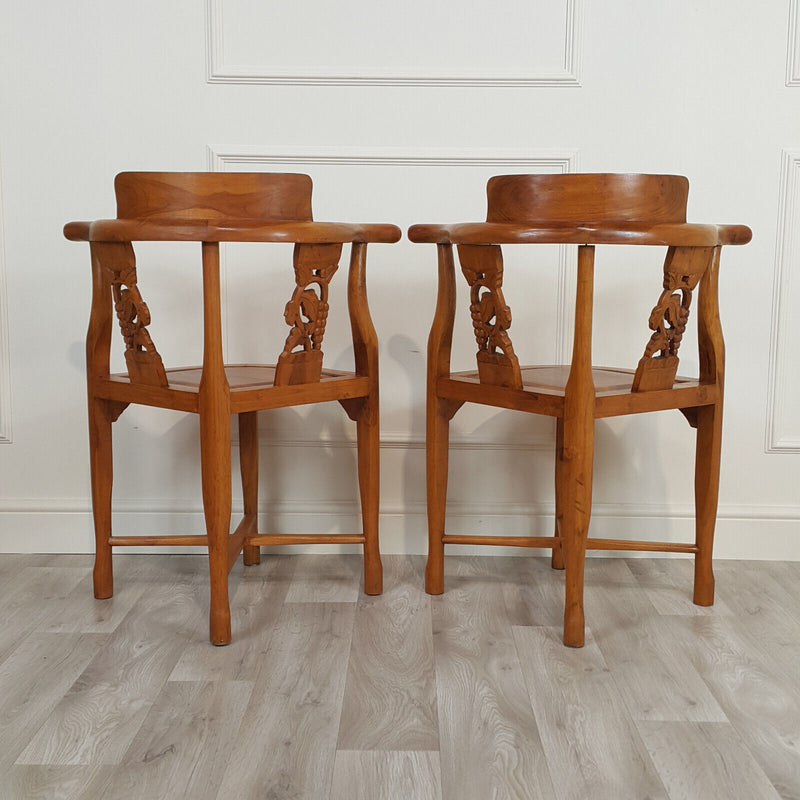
[65, 526]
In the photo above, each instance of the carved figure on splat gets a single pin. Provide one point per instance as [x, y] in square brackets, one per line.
[306, 313]
[482, 266]
[683, 269]
[141, 357]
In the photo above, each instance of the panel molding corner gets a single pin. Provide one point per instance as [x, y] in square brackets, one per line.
[222, 157]
[793, 45]
[5, 357]
[787, 262]
[219, 157]
[220, 70]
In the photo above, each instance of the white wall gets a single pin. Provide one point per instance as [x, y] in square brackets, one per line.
[400, 113]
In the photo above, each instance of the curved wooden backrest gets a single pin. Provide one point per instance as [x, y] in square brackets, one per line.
[213, 196]
[587, 198]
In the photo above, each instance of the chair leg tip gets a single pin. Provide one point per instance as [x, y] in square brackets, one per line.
[704, 594]
[704, 601]
[220, 633]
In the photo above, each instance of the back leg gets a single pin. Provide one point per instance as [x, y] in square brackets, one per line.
[102, 467]
[248, 461]
[706, 488]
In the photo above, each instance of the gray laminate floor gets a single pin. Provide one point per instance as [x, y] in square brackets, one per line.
[327, 693]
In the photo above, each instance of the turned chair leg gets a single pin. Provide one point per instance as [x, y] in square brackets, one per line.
[575, 493]
[248, 462]
[557, 559]
[368, 439]
[102, 465]
[437, 454]
[215, 447]
[706, 487]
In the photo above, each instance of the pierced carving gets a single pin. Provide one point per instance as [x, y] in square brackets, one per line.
[683, 268]
[141, 357]
[482, 266]
[307, 313]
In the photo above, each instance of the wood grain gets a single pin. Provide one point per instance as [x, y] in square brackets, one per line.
[101, 713]
[256, 606]
[489, 739]
[703, 759]
[758, 700]
[765, 612]
[35, 678]
[667, 585]
[386, 775]
[583, 721]
[83, 613]
[332, 579]
[629, 634]
[288, 736]
[46, 782]
[390, 696]
[302, 705]
[32, 597]
[184, 743]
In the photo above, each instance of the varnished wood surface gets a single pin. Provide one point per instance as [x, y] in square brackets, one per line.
[589, 197]
[204, 230]
[684, 234]
[210, 208]
[328, 693]
[585, 209]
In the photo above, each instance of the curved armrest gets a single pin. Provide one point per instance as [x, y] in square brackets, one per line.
[201, 230]
[678, 234]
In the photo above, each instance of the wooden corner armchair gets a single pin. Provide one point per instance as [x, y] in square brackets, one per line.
[210, 208]
[586, 210]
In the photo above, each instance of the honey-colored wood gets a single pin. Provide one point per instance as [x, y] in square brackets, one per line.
[248, 462]
[576, 455]
[438, 419]
[586, 198]
[210, 208]
[586, 210]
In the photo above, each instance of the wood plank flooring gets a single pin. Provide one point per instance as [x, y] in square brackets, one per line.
[327, 694]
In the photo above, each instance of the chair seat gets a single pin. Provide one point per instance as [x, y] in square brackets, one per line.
[251, 388]
[543, 389]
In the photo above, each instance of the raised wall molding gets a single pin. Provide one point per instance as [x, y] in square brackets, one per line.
[226, 65]
[783, 421]
[228, 157]
[793, 46]
[64, 525]
[5, 358]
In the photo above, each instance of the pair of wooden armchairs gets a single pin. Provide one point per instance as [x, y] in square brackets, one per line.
[584, 210]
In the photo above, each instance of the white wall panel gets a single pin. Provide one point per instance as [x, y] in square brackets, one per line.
[793, 47]
[5, 357]
[400, 116]
[783, 427]
[420, 42]
[353, 178]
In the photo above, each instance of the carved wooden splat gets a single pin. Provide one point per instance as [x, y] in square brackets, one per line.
[683, 268]
[482, 266]
[307, 313]
[118, 262]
